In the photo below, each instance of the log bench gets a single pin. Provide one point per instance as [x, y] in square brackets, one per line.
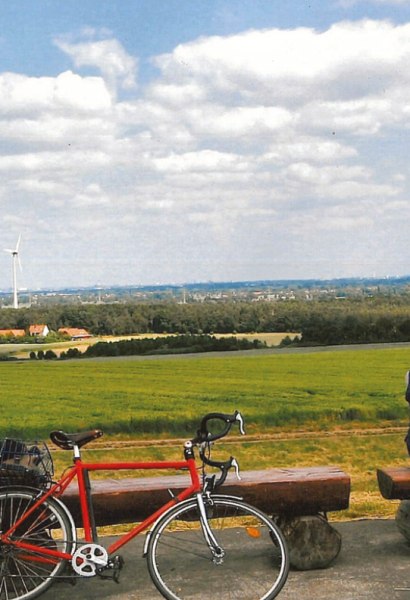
[394, 484]
[297, 498]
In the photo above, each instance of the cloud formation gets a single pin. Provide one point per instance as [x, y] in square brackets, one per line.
[117, 67]
[256, 155]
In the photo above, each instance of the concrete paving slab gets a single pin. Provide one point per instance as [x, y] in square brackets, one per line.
[374, 563]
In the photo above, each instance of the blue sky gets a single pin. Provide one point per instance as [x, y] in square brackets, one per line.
[150, 27]
[177, 141]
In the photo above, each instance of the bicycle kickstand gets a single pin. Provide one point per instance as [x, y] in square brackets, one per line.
[115, 564]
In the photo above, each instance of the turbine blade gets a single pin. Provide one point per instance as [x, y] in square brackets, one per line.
[18, 243]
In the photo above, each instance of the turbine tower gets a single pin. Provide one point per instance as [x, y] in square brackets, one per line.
[15, 259]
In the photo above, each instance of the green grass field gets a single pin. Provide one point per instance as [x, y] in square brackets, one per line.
[150, 397]
[343, 403]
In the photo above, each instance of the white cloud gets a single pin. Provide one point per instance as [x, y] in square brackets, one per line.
[176, 95]
[52, 131]
[288, 64]
[203, 161]
[22, 95]
[116, 65]
[91, 196]
[306, 148]
[307, 173]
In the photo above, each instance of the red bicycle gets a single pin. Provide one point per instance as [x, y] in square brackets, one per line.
[197, 538]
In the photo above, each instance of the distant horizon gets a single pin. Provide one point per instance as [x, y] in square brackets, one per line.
[190, 284]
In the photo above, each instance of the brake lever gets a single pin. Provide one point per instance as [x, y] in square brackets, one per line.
[239, 418]
[235, 465]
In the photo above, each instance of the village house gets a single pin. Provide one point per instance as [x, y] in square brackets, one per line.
[38, 330]
[75, 333]
[12, 333]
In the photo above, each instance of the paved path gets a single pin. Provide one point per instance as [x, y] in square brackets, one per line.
[374, 564]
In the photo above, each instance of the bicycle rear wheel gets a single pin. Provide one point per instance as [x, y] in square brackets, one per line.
[255, 564]
[24, 574]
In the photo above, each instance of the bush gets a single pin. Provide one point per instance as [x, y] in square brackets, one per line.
[71, 353]
[286, 341]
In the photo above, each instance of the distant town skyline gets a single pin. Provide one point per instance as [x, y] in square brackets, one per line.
[169, 141]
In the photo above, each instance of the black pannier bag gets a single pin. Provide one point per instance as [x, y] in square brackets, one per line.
[25, 463]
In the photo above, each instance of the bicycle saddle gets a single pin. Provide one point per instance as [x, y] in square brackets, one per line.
[67, 441]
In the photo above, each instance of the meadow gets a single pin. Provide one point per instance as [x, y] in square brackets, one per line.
[345, 408]
[166, 397]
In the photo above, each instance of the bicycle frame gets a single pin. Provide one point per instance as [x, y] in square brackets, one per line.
[80, 470]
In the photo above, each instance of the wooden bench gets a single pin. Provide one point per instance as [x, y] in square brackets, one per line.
[394, 484]
[296, 497]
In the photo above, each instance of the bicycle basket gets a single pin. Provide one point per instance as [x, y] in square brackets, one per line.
[25, 463]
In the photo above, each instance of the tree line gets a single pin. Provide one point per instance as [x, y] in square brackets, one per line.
[122, 319]
[377, 319]
[355, 328]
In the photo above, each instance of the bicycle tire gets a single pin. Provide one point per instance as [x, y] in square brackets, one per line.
[25, 574]
[256, 561]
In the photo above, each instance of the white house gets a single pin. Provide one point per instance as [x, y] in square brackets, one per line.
[38, 330]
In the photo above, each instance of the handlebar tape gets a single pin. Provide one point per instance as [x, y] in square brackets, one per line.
[204, 435]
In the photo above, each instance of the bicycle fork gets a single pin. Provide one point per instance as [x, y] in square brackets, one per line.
[217, 551]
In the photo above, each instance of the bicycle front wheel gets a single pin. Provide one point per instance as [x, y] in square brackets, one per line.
[24, 574]
[254, 565]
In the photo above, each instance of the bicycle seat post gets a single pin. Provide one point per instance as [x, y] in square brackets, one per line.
[76, 452]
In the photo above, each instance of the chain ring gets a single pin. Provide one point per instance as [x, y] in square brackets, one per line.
[88, 559]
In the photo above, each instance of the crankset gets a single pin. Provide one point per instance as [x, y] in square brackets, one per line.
[88, 559]
[92, 559]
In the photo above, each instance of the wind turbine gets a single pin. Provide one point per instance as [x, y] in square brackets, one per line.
[15, 259]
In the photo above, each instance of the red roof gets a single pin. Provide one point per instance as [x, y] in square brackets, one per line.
[75, 332]
[12, 332]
